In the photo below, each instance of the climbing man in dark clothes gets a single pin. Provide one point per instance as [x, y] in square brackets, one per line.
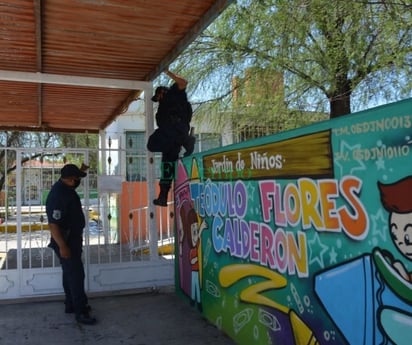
[66, 223]
[173, 118]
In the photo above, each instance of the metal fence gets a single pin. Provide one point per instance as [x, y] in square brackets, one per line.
[128, 243]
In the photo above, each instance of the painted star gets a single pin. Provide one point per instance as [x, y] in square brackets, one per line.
[346, 151]
[380, 164]
[379, 224]
[316, 255]
[333, 256]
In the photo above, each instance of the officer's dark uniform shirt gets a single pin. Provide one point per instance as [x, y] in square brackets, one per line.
[63, 207]
[172, 109]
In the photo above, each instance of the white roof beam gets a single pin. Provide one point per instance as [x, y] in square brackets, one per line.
[45, 78]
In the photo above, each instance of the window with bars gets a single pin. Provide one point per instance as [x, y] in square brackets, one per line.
[207, 141]
[247, 132]
[136, 163]
[135, 156]
[136, 152]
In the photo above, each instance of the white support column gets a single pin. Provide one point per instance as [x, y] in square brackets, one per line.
[152, 221]
[19, 232]
[86, 205]
[104, 197]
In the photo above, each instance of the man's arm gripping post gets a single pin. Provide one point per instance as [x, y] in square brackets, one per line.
[181, 82]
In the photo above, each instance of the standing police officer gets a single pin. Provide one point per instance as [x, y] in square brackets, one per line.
[66, 223]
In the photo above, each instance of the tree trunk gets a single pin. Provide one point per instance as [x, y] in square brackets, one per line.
[340, 103]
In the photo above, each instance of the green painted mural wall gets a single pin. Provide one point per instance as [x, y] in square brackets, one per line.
[303, 237]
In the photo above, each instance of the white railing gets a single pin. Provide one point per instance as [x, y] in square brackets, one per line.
[110, 242]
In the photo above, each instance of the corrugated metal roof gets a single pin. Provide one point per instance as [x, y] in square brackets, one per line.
[74, 65]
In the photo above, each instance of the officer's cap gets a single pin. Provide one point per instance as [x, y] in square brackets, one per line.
[70, 170]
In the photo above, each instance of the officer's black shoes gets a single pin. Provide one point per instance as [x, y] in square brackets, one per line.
[160, 201]
[69, 309]
[86, 319]
[189, 145]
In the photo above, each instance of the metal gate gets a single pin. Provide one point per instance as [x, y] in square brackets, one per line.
[125, 247]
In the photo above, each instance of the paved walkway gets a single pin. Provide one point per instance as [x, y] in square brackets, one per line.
[141, 319]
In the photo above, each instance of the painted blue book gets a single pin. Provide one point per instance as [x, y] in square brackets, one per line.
[361, 297]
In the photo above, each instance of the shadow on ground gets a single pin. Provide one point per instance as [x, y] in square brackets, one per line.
[140, 319]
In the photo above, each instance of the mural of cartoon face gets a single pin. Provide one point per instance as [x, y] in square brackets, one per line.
[395, 198]
[194, 229]
[401, 231]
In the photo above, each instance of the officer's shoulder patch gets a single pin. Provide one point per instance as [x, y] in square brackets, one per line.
[57, 214]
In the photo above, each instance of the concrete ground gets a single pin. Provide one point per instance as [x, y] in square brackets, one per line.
[139, 319]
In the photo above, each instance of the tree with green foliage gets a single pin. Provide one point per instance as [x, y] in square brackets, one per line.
[335, 56]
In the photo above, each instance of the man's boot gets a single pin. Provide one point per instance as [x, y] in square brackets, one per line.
[162, 198]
